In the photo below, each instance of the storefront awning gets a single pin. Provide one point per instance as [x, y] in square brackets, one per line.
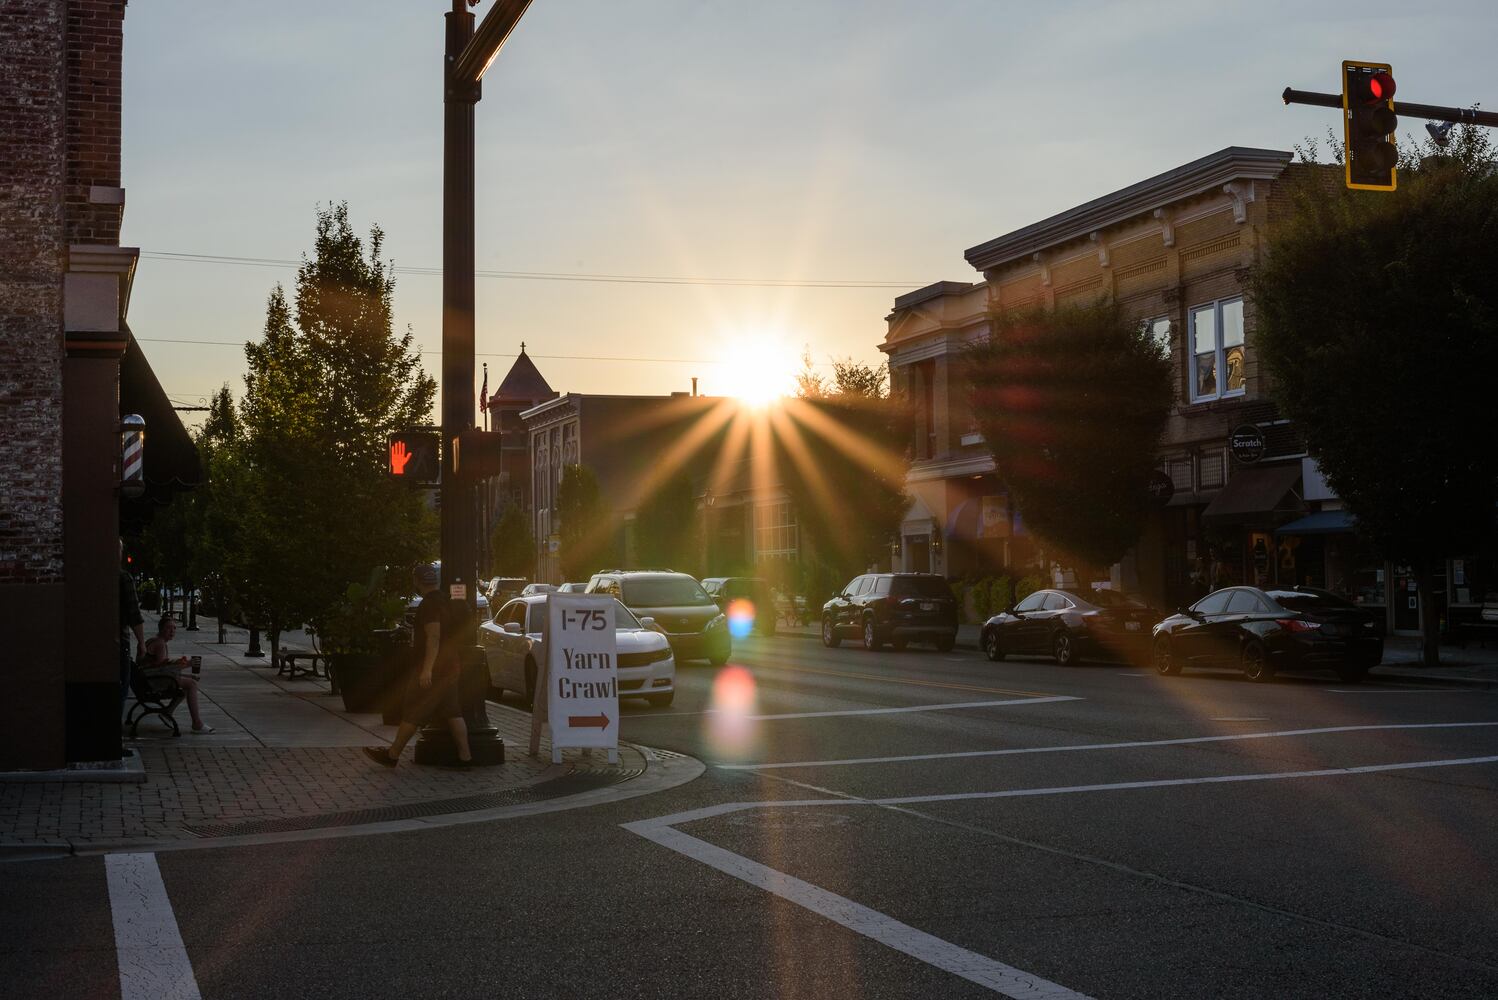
[1257, 493]
[1323, 522]
[171, 458]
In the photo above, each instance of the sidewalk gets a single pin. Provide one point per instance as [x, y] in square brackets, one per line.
[284, 756]
[1473, 666]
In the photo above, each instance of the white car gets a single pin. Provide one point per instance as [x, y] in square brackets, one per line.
[514, 647]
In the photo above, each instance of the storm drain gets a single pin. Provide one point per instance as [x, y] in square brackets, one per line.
[572, 783]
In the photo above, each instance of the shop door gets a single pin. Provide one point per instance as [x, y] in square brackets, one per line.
[917, 553]
[1406, 598]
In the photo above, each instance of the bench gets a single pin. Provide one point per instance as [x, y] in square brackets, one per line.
[1477, 623]
[792, 611]
[289, 667]
[155, 694]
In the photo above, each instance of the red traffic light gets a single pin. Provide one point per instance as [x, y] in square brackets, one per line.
[1380, 87]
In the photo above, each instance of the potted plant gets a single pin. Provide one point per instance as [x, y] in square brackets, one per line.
[356, 636]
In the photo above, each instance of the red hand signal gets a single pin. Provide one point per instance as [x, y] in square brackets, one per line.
[399, 456]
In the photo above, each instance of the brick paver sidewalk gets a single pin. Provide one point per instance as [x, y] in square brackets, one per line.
[282, 750]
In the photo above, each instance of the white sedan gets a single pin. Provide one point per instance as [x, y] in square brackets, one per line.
[513, 645]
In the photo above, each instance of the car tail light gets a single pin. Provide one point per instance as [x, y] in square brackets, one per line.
[1297, 624]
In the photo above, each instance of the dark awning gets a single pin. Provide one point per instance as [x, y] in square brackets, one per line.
[1323, 522]
[1257, 493]
[171, 458]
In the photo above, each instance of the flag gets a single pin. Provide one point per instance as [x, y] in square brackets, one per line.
[484, 392]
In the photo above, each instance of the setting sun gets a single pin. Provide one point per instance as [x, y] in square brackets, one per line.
[757, 369]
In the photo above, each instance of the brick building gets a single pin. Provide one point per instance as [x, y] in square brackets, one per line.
[1174, 250]
[64, 291]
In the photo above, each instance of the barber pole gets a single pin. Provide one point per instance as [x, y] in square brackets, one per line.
[133, 440]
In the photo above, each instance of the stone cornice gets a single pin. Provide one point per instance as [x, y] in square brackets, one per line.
[1209, 174]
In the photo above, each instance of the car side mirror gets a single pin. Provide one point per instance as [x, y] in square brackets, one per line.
[514, 628]
[647, 622]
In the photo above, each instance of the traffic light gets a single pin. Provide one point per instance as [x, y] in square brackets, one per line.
[414, 456]
[1368, 110]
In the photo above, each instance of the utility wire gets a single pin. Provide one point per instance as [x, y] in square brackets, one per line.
[628, 279]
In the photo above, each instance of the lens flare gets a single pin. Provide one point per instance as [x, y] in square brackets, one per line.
[730, 731]
[740, 617]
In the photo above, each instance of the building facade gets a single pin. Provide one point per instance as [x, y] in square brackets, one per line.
[1246, 503]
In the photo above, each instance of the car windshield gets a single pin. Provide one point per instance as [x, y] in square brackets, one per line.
[1113, 599]
[667, 591]
[623, 617]
[919, 586]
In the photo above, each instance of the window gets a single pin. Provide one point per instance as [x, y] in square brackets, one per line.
[1179, 471]
[1055, 602]
[1213, 604]
[1159, 331]
[1217, 368]
[1032, 602]
[1209, 470]
[920, 586]
[1245, 602]
[775, 531]
[664, 591]
[881, 585]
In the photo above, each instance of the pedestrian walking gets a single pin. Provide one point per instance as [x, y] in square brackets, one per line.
[130, 621]
[432, 688]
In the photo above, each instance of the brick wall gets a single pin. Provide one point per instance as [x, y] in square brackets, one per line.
[32, 256]
[94, 41]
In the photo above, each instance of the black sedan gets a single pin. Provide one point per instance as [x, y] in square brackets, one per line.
[1070, 624]
[1263, 631]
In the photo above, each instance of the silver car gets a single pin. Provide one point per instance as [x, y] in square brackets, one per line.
[513, 646]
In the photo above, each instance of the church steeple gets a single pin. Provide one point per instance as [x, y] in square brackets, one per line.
[524, 383]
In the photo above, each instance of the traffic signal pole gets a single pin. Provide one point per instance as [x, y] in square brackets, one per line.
[1435, 112]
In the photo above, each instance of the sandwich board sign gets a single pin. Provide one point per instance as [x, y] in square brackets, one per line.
[582, 676]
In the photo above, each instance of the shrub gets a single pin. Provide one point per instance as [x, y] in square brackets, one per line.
[1027, 585]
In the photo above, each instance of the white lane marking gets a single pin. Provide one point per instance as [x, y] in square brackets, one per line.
[1393, 691]
[1182, 741]
[1125, 673]
[1240, 718]
[976, 968]
[152, 959]
[907, 708]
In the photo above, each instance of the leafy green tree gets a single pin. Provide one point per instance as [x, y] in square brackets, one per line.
[842, 454]
[326, 383]
[512, 547]
[1377, 318]
[586, 531]
[1072, 402]
[666, 526]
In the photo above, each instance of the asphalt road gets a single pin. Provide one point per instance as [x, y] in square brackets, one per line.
[911, 824]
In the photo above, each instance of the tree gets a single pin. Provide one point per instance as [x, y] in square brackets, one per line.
[325, 385]
[1073, 402]
[666, 526]
[1377, 318]
[587, 536]
[842, 455]
[512, 546]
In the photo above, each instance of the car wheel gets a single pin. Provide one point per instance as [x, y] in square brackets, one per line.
[991, 647]
[1165, 661]
[830, 638]
[1352, 675]
[1064, 649]
[870, 636]
[1256, 665]
[946, 643]
[530, 685]
[661, 700]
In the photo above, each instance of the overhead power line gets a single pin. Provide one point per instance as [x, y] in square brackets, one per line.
[617, 279]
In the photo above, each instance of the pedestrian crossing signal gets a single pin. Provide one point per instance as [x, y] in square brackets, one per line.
[414, 456]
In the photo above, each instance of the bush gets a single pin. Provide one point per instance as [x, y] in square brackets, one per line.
[981, 602]
[1027, 585]
[1000, 595]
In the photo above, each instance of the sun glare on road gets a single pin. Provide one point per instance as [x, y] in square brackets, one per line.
[729, 728]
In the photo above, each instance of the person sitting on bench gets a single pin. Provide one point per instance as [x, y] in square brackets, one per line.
[157, 662]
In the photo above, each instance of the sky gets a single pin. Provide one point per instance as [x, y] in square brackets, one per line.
[786, 142]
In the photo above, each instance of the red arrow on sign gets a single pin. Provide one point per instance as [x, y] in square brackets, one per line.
[599, 721]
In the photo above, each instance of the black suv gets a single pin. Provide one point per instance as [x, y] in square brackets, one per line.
[680, 608]
[894, 608]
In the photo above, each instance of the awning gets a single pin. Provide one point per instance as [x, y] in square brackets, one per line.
[1324, 522]
[171, 458]
[1257, 493]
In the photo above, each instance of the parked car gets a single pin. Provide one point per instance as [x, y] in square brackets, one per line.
[537, 588]
[894, 608]
[681, 610]
[1264, 631]
[573, 588]
[1071, 624]
[502, 588]
[514, 648]
[749, 593]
